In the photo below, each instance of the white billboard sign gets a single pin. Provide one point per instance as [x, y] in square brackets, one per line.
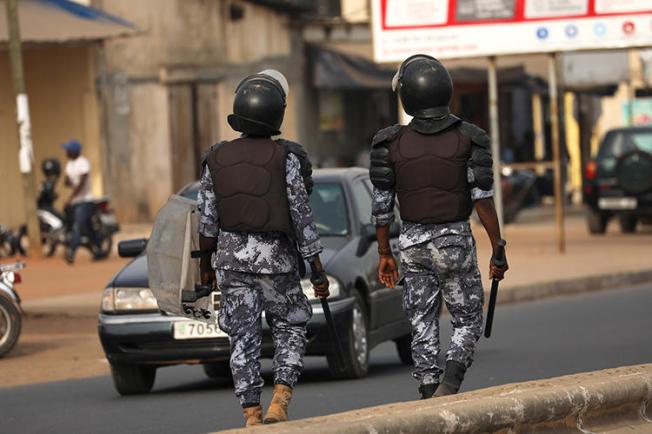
[479, 28]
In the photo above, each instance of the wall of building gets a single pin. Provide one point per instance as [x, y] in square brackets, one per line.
[171, 87]
[63, 105]
[193, 32]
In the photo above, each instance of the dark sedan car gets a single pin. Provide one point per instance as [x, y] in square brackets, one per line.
[618, 183]
[137, 339]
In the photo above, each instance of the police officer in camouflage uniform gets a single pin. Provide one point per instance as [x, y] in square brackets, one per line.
[256, 218]
[440, 168]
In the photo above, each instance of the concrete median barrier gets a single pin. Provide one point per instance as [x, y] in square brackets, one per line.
[613, 400]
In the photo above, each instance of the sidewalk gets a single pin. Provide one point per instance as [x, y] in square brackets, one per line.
[534, 260]
[51, 287]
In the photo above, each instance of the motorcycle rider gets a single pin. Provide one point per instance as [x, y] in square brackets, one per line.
[79, 205]
[254, 216]
[440, 167]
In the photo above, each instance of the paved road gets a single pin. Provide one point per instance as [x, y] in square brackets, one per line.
[531, 341]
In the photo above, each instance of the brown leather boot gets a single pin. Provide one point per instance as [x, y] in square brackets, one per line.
[253, 415]
[278, 408]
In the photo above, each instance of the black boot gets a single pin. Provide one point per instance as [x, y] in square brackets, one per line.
[453, 376]
[428, 390]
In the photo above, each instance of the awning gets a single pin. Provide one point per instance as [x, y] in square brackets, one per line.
[336, 70]
[63, 21]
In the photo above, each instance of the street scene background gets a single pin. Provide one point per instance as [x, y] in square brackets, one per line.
[146, 86]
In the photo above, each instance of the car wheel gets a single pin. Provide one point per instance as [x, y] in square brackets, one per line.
[10, 325]
[217, 370]
[355, 343]
[133, 379]
[597, 222]
[627, 223]
[404, 349]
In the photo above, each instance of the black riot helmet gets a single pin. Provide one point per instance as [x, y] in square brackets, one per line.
[51, 167]
[259, 104]
[424, 86]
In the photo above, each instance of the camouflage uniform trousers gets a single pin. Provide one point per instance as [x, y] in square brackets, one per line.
[444, 266]
[287, 310]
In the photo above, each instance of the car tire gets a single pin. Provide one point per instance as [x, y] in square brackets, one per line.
[11, 315]
[627, 223]
[597, 222]
[133, 379]
[217, 370]
[355, 343]
[404, 349]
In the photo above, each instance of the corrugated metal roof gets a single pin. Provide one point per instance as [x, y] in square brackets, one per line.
[63, 21]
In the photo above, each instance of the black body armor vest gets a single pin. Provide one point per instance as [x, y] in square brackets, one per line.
[250, 187]
[431, 175]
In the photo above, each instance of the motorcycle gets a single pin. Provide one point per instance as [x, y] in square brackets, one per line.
[11, 243]
[519, 191]
[56, 227]
[10, 310]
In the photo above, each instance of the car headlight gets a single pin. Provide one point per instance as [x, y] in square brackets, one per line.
[334, 287]
[128, 300]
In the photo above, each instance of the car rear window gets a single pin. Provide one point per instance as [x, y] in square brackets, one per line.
[329, 208]
[617, 143]
[328, 205]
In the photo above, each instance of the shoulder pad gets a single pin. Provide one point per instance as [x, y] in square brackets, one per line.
[294, 148]
[477, 135]
[381, 170]
[301, 154]
[213, 148]
[386, 134]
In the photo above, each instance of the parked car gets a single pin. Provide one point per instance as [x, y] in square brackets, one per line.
[618, 183]
[137, 338]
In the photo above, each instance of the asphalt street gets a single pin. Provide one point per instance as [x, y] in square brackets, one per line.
[530, 341]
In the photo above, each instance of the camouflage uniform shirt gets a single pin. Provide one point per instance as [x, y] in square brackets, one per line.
[261, 253]
[416, 233]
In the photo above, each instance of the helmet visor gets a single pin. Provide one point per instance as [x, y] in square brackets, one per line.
[395, 80]
[276, 75]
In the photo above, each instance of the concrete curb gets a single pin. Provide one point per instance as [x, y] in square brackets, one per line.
[537, 291]
[584, 403]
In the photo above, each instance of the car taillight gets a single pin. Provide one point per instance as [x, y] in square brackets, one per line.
[103, 206]
[17, 278]
[591, 170]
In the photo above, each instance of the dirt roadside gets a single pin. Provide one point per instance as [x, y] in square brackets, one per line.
[49, 277]
[53, 349]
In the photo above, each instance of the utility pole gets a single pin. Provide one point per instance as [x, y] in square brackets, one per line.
[492, 79]
[25, 148]
[556, 152]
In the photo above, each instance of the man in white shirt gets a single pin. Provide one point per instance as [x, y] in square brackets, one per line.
[79, 205]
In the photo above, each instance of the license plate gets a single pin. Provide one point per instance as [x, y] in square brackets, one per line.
[108, 219]
[617, 203]
[197, 330]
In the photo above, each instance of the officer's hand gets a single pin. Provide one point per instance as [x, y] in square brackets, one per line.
[208, 278]
[321, 290]
[497, 273]
[387, 270]
[207, 274]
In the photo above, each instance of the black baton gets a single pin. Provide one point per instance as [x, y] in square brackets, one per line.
[499, 261]
[317, 278]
